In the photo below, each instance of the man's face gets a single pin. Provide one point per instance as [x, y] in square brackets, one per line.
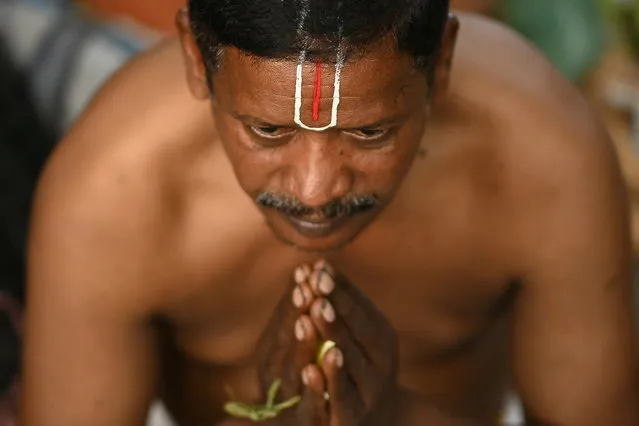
[318, 190]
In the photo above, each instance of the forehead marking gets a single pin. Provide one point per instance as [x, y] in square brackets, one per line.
[317, 90]
[336, 93]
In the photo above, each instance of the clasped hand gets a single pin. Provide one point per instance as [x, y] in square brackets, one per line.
[353, 383]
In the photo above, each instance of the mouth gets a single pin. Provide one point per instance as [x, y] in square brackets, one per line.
[316, 229]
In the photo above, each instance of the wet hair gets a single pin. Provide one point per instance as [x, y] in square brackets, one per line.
[280, 29]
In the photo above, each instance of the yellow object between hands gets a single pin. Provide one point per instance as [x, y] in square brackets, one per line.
[323, 350]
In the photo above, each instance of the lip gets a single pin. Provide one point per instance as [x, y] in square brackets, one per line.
[316, 229]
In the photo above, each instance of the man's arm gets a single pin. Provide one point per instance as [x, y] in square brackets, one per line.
[90, 351]
[574, 338]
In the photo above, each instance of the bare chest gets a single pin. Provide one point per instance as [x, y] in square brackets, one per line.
[431, 309]
[449, 324]
[444, 287]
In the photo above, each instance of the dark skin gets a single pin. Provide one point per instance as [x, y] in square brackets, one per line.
[359, 374]
[500, 257]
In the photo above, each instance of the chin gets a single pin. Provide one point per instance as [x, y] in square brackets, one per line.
[319, 248]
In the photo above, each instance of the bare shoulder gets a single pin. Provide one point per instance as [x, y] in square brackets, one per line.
[491, 56]
[105, 218]
[145, 106]
[540, 120]
[560, 168]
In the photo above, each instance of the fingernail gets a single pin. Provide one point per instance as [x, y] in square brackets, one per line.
[298, 276]
[327, 311]
[319, 264]
[301, 274]
[305, 377]
[300, 330]
[323, 264]
[338, 357]
[325, 282]
[298, 297]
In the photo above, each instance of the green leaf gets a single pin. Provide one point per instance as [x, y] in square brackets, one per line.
[272, 392]
[237, 409]
[288, 403]
[258, 413]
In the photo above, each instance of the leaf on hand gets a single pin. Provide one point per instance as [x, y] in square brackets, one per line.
[272, 392]
[259, 413]
[237, 409]
[287, 404]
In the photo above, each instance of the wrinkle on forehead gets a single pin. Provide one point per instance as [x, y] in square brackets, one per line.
[378, 81]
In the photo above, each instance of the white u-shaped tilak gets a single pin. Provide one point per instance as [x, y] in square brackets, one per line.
[336, 93]
[298, 80]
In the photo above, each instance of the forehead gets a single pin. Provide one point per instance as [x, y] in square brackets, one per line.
[374, 86]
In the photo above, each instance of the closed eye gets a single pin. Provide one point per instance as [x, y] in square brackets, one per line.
[368, 134]
[371, 138]
[271, 132]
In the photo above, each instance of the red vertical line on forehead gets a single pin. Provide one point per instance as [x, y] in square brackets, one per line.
[317, 92]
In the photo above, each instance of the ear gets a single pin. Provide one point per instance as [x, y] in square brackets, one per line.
[444, 62]
[195, 69]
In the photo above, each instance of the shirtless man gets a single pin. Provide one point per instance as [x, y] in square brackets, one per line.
[460, 184]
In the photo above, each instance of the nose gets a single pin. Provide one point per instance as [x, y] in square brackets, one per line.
[318, 174]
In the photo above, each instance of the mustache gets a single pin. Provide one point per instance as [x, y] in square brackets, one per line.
[346, 206]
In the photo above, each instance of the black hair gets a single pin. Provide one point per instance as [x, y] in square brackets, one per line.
[282, 28]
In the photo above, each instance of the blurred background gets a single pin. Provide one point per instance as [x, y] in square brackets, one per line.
[55, 54]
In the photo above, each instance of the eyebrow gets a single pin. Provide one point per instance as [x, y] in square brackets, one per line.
[396, 119]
